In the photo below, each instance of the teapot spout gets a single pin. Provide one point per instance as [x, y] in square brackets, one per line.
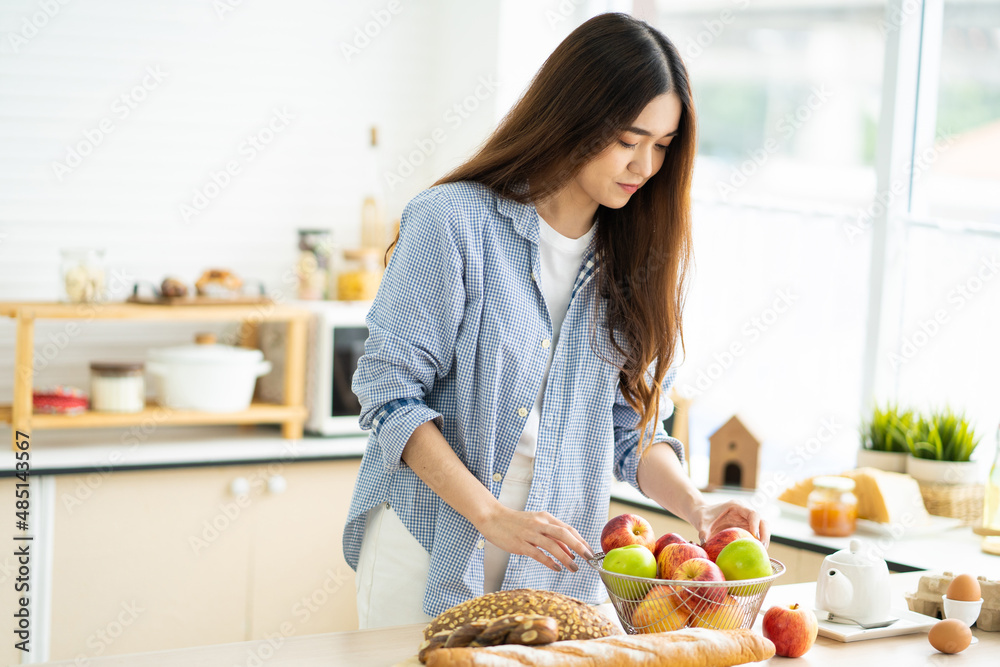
[835, 591]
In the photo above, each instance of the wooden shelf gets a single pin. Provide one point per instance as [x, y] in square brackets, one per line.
[257, 413]
[291, 414]
[120, 310]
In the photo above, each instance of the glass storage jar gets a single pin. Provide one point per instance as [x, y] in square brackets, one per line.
[360, 275]
[82, 272]
[117, 386]
[833, 507]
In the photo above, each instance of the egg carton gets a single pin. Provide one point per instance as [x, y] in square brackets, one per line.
[930, 592]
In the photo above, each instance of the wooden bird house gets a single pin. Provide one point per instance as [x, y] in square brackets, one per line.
[734, 456]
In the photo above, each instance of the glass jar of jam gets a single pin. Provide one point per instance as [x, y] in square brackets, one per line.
[833, 507]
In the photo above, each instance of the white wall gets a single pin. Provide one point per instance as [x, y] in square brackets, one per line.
[220, 75]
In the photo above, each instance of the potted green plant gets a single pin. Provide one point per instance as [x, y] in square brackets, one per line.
[884, 439]
[941, 447]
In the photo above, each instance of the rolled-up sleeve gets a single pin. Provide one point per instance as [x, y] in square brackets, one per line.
[412, 325]
[626, 425]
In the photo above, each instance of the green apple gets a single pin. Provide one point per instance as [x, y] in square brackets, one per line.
[745, 558]
[635, 560]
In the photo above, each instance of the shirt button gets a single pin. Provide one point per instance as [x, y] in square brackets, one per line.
[546, 343]
[522, 412]
[497, 477]
[480, 544]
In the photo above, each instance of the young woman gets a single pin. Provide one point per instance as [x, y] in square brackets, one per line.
[522, 338]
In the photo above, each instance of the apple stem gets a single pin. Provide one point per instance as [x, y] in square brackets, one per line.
[794, 606]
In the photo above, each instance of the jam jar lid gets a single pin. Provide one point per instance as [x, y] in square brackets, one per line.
[834, 483]
[117, 367]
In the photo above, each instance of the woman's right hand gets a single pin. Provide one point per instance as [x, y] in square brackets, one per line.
[527, 533]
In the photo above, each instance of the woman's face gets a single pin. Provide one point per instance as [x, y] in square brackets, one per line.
[614, 175]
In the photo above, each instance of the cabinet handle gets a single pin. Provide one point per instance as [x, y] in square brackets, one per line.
[277, 484]
[239, 486]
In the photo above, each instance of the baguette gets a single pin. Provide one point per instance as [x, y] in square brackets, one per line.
[576, 620]
[690, 647]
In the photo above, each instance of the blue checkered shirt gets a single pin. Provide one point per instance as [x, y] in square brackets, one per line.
[456, 336]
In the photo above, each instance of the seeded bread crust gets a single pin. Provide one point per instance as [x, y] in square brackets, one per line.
[576, 620]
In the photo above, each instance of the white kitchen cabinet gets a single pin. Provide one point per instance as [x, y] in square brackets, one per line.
[169, 558]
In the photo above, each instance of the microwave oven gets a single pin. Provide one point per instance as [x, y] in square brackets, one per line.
[336, 340]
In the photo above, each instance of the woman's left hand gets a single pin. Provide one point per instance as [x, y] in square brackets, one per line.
[710, 519]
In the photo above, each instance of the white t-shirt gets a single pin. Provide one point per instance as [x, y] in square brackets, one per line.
[560, 259]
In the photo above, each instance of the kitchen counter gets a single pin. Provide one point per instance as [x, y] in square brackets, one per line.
[955, 549]
[384, 647]
[139, 448]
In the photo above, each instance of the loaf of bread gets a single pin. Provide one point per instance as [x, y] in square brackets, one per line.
[884, 497]
[690, 647]
[576, 620]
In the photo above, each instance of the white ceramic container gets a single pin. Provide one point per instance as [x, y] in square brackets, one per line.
[207, 377]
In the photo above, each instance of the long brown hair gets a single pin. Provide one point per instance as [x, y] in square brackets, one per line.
[593, 86]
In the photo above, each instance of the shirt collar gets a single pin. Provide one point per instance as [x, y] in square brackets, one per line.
[523, 216]
[525, 219]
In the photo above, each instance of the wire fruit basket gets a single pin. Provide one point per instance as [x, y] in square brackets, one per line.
[660, 605]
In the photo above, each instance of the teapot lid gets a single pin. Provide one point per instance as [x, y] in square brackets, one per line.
[854, 555]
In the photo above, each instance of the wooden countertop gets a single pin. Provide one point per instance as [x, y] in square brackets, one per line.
[387, 646]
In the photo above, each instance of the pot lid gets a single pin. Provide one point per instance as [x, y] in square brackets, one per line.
[200, 354]
[855, 555]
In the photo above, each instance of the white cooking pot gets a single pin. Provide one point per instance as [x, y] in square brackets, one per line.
[207, 377]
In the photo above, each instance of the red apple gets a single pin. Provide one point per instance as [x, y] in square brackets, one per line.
[698, 598]
[718, 542]
[664, 540]
[792, 628]
[627, 529]
[672, 555]
[660, 611]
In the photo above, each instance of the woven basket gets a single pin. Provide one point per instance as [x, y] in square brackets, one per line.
[959, 501]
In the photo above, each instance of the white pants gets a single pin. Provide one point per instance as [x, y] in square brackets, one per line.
[392, 573]
[393, 565]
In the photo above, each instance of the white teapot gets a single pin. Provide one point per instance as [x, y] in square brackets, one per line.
[854, 586]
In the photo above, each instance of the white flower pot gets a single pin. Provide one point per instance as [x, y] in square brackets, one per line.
[942, 472]
[890, 461]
